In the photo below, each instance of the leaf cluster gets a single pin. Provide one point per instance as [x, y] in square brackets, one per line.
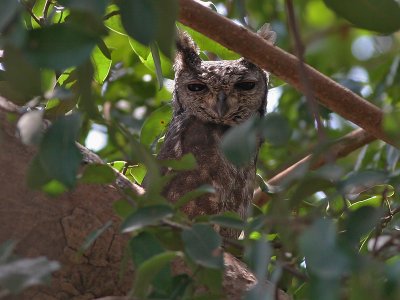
[101, 71]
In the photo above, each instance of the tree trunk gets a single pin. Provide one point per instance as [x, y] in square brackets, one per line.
[56, 227]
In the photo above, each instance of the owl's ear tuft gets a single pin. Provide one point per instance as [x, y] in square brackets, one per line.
[267, 33]
[187, 52]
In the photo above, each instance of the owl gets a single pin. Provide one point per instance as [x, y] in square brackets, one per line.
[209, 98]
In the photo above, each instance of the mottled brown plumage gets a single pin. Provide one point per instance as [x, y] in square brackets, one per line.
[209, 98]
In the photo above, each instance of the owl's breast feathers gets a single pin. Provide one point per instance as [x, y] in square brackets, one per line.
[234, 186]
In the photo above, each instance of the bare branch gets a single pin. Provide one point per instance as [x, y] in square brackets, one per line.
[299, 46]
[284, 65]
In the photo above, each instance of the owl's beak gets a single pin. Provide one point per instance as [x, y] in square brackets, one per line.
[221, 106]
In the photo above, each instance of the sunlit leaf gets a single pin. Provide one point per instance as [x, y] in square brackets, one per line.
[155, 125]
[101, 64]
[138, 172]
[157, 63]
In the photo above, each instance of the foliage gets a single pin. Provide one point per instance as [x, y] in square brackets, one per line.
[17, 273]
[104, 67]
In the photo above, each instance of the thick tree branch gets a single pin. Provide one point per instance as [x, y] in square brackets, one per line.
[341, 148]
[284, 65]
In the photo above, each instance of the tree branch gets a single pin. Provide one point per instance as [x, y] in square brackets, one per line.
[284, 65]
[341, 148]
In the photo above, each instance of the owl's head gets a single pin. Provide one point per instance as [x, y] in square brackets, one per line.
[224, 92]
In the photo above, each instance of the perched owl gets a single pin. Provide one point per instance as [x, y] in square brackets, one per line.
[209, 98]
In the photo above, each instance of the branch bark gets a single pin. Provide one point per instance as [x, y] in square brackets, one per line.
[56, 227]
[284, 65]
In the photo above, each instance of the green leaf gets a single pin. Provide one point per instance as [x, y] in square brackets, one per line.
[8, 10]
[157, 63]
[239, 143]
[142, 51]
[148, 215]
[258, 254]
[102, 65]
[189, 196]
[311, 184]
[93, 236]
[118, 165]
[96, 7]
[361, 222]
[228, 219]
[143, 247]
[58, 153]
[83, 88]
[155, 125]
[359, 182]
[376, 15]
[36, 176]
[59, 46]
[148, 270]
[138, 172]
[374, 201]
[6, 249]
[207, 44]
[186, 162]
[54, 188]
[123, 208]
[114, 22]
[202, 244]
[24, 79]
[323, 256]
[98, 173]
[275, 129]
[23, 273]
[150, 20]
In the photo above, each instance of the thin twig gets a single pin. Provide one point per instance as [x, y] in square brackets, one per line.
[29, 10]
[46, 8]
[111, 14]
[284, 65]
[308, 92]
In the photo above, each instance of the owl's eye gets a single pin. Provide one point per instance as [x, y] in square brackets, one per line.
[245, 85]
[196, 87]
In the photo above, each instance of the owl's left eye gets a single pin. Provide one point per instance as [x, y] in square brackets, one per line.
[245, 85]
[196, 87]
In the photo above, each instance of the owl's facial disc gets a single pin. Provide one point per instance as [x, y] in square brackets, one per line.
[221, 106]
